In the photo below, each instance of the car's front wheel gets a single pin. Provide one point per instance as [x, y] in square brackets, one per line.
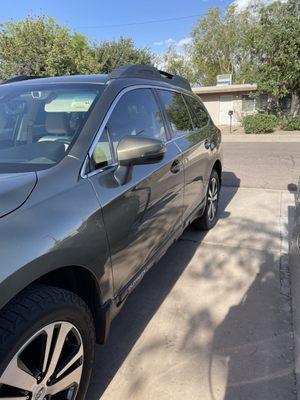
[46, 346]
[209, 218]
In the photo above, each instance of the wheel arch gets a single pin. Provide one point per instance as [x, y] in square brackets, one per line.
[81, 281]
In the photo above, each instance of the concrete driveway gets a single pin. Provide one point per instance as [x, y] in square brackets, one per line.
[213, 319]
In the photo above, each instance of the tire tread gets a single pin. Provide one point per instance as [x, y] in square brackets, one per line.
[29, 303]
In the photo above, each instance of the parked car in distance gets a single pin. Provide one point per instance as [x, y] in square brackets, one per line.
[99, 175]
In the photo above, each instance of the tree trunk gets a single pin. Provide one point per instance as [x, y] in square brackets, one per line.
[294, 104]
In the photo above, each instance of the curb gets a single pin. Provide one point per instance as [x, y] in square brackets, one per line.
[294, 266]
[268, 138]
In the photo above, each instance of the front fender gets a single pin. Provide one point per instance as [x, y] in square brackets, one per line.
[50, 232]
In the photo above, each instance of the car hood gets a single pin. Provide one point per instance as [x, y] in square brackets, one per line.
[15, 190]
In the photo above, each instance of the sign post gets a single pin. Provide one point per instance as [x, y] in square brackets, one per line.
[230, 113]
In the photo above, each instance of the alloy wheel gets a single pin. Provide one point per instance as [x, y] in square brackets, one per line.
[48, 366]
[212, 199]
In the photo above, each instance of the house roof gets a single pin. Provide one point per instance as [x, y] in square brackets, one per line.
[225, 89]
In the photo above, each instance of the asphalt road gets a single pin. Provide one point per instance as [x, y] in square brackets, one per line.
[262, 165]
[212, 321]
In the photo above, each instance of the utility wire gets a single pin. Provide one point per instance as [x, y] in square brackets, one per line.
[153, 21]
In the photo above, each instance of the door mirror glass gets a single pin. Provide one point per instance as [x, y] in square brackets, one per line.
[133, 150]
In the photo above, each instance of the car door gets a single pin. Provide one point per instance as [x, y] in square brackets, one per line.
[143, 212]
[191, 140]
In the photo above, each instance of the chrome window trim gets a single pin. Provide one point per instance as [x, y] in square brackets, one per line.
[105, 120]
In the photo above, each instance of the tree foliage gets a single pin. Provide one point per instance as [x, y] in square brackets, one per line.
[40, 46]
[178, 63]
[260, 44]
[218, 44]
[113, 54]
[274, 42]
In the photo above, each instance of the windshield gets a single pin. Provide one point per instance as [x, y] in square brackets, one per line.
[39, 124]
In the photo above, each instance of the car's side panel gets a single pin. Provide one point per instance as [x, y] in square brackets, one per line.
[198, 162]
[60, 225]
[141, 213]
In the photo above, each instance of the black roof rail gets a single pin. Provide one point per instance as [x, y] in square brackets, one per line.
[149, 72]
[177, 80]
[19, 78]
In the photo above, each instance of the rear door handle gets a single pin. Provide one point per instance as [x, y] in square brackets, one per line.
[207, 144]
[175, 167]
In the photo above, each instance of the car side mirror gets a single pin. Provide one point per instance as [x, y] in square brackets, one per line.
[134, 150]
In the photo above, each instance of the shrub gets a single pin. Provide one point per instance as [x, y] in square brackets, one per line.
[290, 123]
[259, 123]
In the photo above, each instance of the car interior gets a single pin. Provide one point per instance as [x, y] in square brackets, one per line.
[39, 127]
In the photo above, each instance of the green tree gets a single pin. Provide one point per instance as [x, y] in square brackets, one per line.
[113, 54]
[40, 46]
[274, 43]
[179, 63]
[218, 45]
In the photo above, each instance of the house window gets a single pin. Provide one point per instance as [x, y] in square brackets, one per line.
[262, 102]
[248, 103]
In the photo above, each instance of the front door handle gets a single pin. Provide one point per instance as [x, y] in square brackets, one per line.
[175, 167]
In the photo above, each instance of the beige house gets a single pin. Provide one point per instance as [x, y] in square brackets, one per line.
[219, 100]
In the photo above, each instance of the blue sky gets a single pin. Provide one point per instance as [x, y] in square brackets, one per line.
[92, 17]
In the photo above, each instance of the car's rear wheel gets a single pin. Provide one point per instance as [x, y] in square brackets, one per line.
[46, 346]
[209, 218]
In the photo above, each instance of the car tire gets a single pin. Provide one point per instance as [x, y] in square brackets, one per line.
[210, 215]
[47, 341]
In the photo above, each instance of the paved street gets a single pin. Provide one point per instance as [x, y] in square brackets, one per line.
[212, 320]
[271, 165]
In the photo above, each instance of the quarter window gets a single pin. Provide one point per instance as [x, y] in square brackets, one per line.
[102, 154]
[177, 112]
[136, 114]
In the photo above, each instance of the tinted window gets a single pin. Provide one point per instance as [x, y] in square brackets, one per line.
[201, 114]
[177, 112]
[137, 114]
[38, 124]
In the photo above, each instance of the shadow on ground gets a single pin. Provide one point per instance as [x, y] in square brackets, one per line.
[251, 343]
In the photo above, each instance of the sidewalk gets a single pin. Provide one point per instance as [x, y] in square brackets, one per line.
[212, 320]
[266, 138]
[239, 130]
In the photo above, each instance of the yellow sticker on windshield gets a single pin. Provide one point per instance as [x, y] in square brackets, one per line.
[68, 102]
[81, 104]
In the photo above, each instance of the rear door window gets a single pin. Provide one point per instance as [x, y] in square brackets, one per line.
[199, 111]
[177, 112]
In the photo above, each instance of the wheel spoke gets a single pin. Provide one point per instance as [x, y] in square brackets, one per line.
[60, 341]
[16, 377]
[49, 330]
[213, 211]
[209, 210]
[66, 382]
[72, 361]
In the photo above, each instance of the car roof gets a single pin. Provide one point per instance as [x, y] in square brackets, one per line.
[95, 78]
[127, 74]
